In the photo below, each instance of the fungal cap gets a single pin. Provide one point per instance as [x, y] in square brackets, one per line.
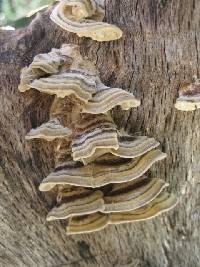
[185, 104]
[133, 195]
[94, 133]
[109, 169]
[108, 98]
[162, 203]
[89, 202]
[97, 221]
[83, 18]
[87, 224]
[65, 84]
[49, 131]
[132, 146]
[27, 76]
[189, 97]
[48, 62]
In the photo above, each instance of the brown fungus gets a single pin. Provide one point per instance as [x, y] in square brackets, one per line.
[189, 97]
[132, 195]
[85, 203]
[98, 175]
[98, 221]
[92, 133]
[110, 169]
[49, 131]
[107, 98]
[84, 17]
[162, 203]
[87, 223]
[65, 84]
[72, 201]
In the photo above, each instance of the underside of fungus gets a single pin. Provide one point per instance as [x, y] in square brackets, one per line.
[84, 17]
[189, 97]
[99, 175]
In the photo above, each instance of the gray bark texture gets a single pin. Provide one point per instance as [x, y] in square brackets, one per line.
[159, 51]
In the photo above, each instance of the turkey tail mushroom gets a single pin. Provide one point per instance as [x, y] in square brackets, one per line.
[99, 169]
[49, 63]
[87, 223]
[84, 17]
[189, 97]
[98, 221]
[49, 131]
[111, 169]
[162, 203]
[129, 147]
[106, 170]
[27, 76]
[133, 195]
[65, 84]
[92, 133]
[107, 98]
[67, 58]
[85, 203]
[122, 197]
[134, 146]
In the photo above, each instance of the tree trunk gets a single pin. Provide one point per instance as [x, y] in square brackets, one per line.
[159, 50]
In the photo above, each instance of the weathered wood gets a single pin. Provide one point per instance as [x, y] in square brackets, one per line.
[159, 50]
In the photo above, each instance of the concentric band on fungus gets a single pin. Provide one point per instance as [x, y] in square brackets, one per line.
[84, 17]
[100, 174]
[99, 170]
[97, 221]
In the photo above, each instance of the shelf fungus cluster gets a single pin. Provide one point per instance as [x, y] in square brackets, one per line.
[189, 96]
[99, 176]
[84, 17]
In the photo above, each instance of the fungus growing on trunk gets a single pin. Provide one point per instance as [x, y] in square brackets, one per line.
[49, 131]
[72, 201]
[92, 133]
[132, 195]
[85, 203]
[97, 221]
[110, 169]
[107, 98]
[189, 96]
[84, 17]
[87, 223]
[162, 203]
[98, 168]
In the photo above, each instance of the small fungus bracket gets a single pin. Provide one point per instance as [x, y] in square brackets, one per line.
[189, 97]
[84, 17]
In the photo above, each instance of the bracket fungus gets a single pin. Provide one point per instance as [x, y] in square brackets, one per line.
[84, 17]
[99, 169]
[189, 96]
[105, 170]
[92, 133]
[98, 221]
[86, 202]
[49, 131]
[107, 98]
[116, 198]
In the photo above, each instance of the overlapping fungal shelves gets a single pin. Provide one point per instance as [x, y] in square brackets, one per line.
[99, 176]
[189, 96]
[84, 17]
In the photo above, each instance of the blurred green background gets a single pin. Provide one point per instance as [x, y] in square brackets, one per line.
[14, 12]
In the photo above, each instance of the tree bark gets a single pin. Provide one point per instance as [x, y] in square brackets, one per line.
[159, 50]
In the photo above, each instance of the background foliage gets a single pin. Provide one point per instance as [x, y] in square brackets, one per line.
[15, 12]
